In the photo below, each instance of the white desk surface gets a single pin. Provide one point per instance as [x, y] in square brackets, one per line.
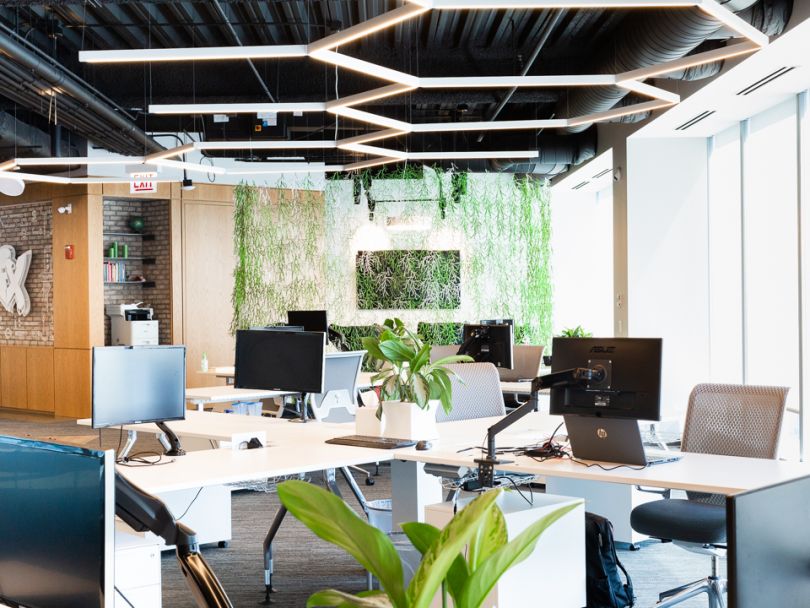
[222, 427]
[216, 467]
[226, 394]
[696, 472]
[296, 448]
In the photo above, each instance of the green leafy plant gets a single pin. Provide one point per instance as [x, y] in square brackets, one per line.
[411, 376]
[479, 528]
[408, 279]
[575, 332]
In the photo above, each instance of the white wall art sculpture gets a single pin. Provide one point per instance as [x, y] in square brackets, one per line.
[13, 273]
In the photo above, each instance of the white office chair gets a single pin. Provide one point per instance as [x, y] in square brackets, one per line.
[476, 392]
[338, 402]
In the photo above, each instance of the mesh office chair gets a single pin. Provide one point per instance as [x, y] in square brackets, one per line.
[476, 392]
[724, 419]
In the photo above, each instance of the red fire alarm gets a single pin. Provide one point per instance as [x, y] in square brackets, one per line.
[68, 252]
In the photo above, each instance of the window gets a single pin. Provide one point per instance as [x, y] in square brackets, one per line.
[754, 258]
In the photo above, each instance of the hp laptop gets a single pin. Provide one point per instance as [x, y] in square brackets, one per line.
[615, 440]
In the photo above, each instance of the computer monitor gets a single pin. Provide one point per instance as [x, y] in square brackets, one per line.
[57, 534]
[489, 344]
[284, 361]
[135, 384]
[631, 387]
[768, 533]
[310, 320]
[287, 328]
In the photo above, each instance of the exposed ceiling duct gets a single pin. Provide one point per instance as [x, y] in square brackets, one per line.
[27, 77]
[556, 154]
[20, 139]
[657, 36]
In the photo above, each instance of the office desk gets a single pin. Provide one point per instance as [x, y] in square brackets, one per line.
[226, 394]
[610, 493]
[227, 372]
[224, 466]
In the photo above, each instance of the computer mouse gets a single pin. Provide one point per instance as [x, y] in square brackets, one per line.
[423, 445]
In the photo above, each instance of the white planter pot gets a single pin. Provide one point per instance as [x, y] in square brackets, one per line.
[403, 420]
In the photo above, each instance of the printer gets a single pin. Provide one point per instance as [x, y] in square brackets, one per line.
[131, 325]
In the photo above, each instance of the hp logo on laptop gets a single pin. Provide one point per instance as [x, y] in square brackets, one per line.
[601, 433]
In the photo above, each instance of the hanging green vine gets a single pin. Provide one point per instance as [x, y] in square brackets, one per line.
[298, 248]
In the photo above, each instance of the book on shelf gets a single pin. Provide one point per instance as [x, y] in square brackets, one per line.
[115, 272]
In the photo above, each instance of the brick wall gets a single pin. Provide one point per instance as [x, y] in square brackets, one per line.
[117, 214]
[27, 227]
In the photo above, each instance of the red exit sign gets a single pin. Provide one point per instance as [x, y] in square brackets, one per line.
[139, 186]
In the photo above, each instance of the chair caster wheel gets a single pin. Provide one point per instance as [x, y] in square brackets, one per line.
[223, 544]
[369, 481]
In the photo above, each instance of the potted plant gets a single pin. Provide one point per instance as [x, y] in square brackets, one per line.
[411, 386]
[479, 528]
[575, 332]
[569, 332]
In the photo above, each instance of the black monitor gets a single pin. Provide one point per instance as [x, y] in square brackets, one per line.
[497, 322]
[631, 387]
[489, 344]
[57, 533]
[277, 360]
[310, 320]
[135, 384]
[769, 546]
[278, 328]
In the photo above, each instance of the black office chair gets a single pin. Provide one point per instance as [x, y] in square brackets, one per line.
[724, 419]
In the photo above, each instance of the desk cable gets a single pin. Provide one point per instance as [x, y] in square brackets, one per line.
[193, 500]
[124, 597]
[609, 468]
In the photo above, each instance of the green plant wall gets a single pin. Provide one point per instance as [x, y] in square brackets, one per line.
[408, 279]
[299, 249]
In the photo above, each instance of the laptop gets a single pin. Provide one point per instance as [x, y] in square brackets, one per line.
[616, 440]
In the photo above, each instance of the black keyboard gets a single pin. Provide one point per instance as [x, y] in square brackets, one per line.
[368, 441]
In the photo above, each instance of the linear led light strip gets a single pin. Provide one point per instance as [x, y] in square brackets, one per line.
[408, 11]
[338, 105]
[161, 160]
[202, 53]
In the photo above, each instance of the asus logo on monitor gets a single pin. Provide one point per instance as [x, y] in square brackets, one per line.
[603, 349]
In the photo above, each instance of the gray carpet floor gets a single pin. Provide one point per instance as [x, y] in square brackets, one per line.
[304, 563]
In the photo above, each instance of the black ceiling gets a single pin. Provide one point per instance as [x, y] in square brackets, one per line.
[438, 43]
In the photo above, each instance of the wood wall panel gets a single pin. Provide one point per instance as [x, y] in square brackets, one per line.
[76, 321]
[72, 375]
[13, 369]
[208, 264]
[176, 248]
[40, 379]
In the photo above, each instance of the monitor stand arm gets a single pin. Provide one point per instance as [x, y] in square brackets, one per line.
[303, 404]
[145, 512]
[568, 377]
[173, 448]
